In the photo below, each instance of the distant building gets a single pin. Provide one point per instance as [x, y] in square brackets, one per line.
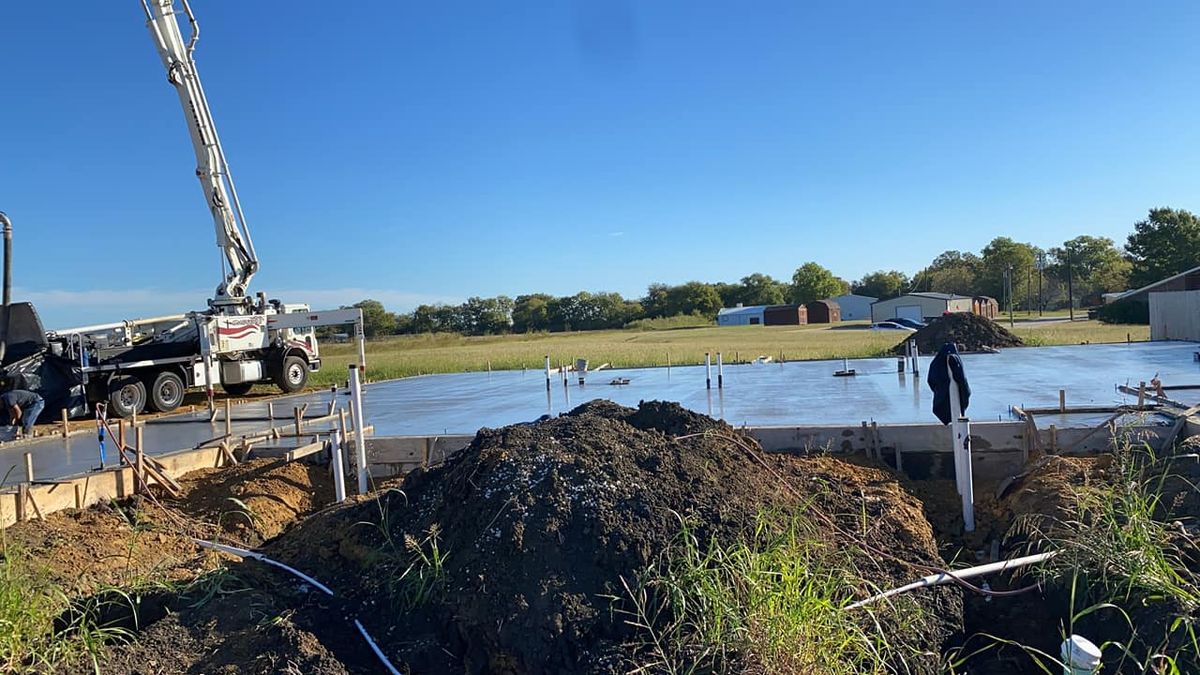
[823, 311]
[920, 306]
[741, 316]
[854, 307]
[785, 315]
[985, 305]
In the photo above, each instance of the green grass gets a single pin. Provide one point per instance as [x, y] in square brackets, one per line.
[404, 356]
[29, 605]
[773, 602]
[1125, 559]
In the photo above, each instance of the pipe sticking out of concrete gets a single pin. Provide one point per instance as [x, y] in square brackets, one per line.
[547, 372]
[968, 573]
[707, 371]
[360, 442]
[720, 372]
[339, 467]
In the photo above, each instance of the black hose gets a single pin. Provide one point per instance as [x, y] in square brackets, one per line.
[6, 224]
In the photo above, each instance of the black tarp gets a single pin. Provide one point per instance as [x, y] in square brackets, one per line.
[946, 362]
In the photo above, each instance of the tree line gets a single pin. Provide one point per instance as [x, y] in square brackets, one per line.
[1017, 274]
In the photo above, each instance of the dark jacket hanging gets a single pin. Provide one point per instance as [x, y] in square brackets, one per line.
[947, 361]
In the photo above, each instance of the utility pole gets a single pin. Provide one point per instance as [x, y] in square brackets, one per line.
[1029, 291]
[1009, 289]
[1070, 284]
[1041, 265]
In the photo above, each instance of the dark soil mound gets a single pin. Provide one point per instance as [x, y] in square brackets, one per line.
[970, 332]
[510, 557]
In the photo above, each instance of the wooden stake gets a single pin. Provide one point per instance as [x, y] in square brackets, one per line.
[22, 496]
[296, 414]
[228, 418]
[66, 430]
[1141, 394]
[33, 502]
[141, 462]
[1053, 438]
[120, 432]
[1062, 400]
[78, 496]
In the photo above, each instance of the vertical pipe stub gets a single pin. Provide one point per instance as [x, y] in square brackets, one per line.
[1080, 656]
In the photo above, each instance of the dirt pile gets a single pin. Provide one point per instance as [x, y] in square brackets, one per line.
[511, 557]
[257, 500]
[971, 332]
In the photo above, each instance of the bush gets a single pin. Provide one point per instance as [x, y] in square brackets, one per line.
[1125, 311]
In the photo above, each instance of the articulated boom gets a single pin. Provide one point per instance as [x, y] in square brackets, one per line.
[233, 237]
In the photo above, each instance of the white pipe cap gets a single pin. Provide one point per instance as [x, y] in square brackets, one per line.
[1079, 655]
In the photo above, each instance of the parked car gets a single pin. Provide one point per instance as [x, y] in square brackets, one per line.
[911, 323]
[891, 325]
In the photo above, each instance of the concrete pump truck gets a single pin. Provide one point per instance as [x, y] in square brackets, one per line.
[150, 363]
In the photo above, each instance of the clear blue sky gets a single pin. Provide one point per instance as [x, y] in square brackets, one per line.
[432, 151]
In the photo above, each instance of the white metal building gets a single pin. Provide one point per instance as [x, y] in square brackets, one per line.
[1175, 315]
[919, 306]
[855, 307]
[741, 316]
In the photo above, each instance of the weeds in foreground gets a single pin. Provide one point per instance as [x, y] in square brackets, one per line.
[30, 640]
[413, 568]
[775, 601]
[1127, 561]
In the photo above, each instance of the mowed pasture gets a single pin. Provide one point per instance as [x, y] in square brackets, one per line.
[404, 356]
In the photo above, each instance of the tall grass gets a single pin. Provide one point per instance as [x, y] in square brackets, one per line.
[1128, 562]
[30, 640]
[774, 602]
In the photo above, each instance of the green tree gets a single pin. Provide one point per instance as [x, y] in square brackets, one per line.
[1164, 244]
[812, 282]
[657, 300]
[881, 284]
[1003, 255]
[376, 319]
[1097, 266]
[694, 297]
[531, 313]
[950, 272]
[761, 289]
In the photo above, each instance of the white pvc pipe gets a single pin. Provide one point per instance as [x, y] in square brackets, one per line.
[360, 444]
[244, 553]
[339, 467]
[960, 434]
[968, 573]
[375, 648]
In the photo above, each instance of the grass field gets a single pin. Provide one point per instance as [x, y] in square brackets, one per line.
[403, 356]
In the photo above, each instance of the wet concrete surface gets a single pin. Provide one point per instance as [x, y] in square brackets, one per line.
[796, 393]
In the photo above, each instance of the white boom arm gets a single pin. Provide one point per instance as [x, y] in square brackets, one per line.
[233, 237]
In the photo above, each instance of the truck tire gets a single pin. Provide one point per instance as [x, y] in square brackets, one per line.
[239, 389]
[292, 374]
[166, 392]
[126, 395]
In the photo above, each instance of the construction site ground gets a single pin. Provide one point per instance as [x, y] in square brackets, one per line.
[791, 393]
[539, 524]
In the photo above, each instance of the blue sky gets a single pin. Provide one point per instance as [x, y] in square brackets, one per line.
[418, 152]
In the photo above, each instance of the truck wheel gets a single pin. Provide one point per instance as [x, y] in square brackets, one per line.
[126, 395]
[166, 392]
[292, 374]
[239, 389]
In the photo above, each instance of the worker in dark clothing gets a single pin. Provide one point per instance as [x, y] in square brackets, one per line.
[23, 407]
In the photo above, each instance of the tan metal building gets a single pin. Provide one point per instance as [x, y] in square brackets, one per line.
[920, 306]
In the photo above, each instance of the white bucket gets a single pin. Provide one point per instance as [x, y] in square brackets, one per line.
[1080, 656]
